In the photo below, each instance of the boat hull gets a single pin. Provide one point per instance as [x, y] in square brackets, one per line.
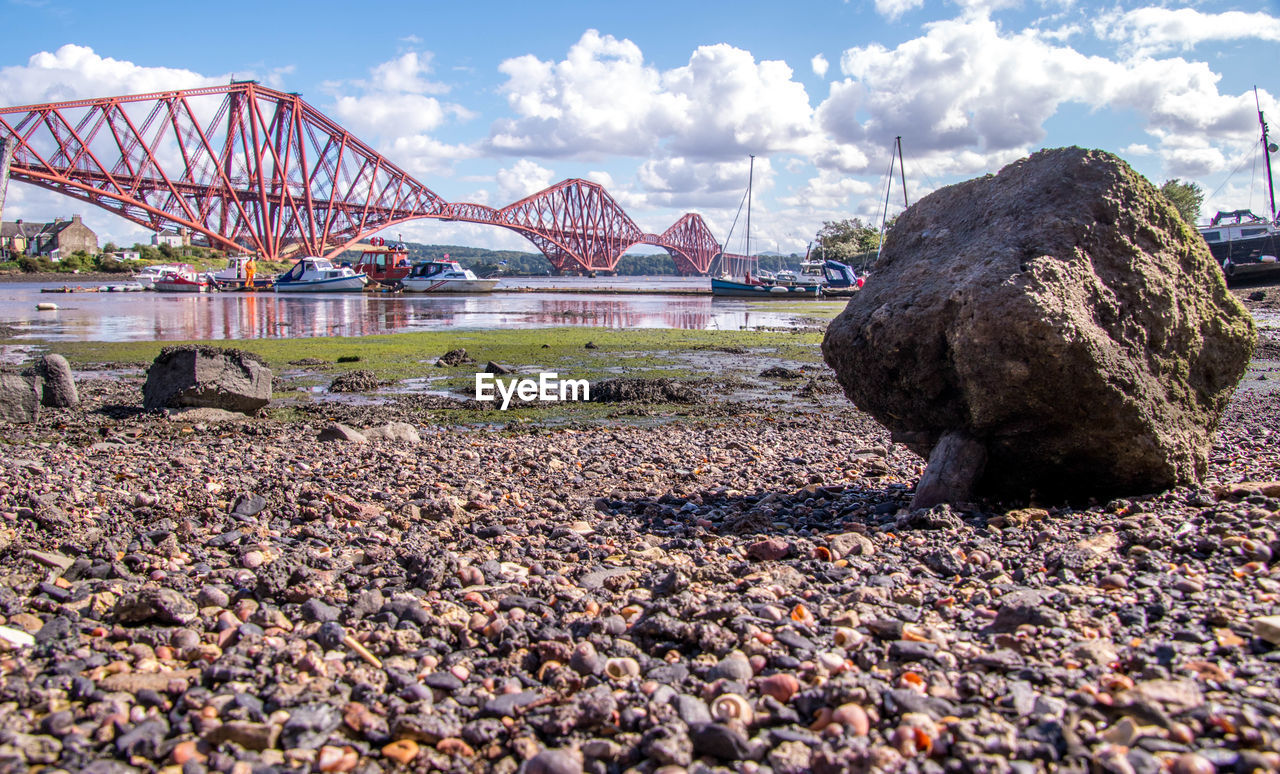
[1250, 257]
[336, 285]
[179, 286]
[726, 288]
[412, 285]
[259, 283]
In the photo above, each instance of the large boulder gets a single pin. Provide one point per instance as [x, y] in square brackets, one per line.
[19, 398]
[1055, 330]
[58, 386]
[207, 377]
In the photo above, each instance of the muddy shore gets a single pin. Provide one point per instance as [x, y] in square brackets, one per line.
[719, 585]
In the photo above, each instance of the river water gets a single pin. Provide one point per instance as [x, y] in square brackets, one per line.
[236, 316]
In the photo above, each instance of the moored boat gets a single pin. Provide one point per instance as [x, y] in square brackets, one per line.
[445, 276]
[750, 287]
[317, 275]
[183, 280]
[1244, 244]
[147, 275]
[384, 264]
[241, 273]
[738, 281]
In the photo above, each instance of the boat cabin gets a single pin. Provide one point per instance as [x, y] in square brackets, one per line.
[311, 267]
[384, 263]
[443, 269]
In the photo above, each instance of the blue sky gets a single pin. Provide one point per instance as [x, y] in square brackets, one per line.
[662, 102]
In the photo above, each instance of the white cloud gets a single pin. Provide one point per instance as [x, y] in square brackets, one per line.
[681, 176]
[424, 156]
[893, 9]
[841, 157]
[830, 190]
[406, 73]
[734, 106]
[395, 111]
[375, 114]
[76, 72]
[602, 99]
[967, 97]
[820, 65]
[975, 9]
[522, 179]
[1193, 162]
[1137, 149]
[1146, 31]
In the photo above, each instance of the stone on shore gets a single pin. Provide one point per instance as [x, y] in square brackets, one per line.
[393, 431]
[337, 431]
[1267, 628]
[19, 398]
[1054, 330]
[57, 386]
[207, 377]
[154, 603]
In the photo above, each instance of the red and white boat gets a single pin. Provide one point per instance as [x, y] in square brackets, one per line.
[182, 279]
[384, 264]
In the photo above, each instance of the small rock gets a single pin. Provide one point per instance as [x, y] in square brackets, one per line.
[155, 604]
[554, 762]
[340, 432]
[769, 549]
[13, 638]
[1267, 628]
[401, 751]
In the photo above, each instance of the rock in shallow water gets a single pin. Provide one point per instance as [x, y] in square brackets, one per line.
[1061, 317]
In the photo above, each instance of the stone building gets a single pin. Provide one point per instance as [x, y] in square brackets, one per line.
[50, 240]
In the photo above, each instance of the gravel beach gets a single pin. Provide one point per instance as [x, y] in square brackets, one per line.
[713, 587]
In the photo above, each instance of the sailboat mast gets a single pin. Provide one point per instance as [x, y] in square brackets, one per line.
[888, 189]
[751, 171]
[902, 169]
[1266, 154]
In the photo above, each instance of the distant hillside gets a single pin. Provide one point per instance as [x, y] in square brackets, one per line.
[487, 263]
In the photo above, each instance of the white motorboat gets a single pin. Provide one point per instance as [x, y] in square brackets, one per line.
[147, 275]
[317, 275]
[445, 276]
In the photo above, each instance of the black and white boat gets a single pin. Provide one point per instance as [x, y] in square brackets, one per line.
[1246, 244]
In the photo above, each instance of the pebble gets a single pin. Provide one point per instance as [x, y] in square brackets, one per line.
[402, 751]
[744, 591]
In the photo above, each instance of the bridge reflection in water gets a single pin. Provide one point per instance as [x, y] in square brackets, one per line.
[233, 316]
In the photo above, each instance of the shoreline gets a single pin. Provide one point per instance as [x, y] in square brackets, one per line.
[696, 585]
[726, 583]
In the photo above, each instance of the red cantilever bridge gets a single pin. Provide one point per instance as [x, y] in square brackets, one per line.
[256, 169]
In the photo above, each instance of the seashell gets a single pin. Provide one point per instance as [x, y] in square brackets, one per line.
[849, 638]
[852, 716]
[548, 666]
[781, 686]
[832, 662]
[822, 719]
[621, 669]
[731, 706]
[903, 739]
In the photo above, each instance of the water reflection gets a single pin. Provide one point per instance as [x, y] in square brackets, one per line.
[231, 316]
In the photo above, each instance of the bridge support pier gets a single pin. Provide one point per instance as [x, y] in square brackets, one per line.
[7, 147]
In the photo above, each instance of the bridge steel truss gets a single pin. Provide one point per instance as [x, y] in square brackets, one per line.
[256, 169]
